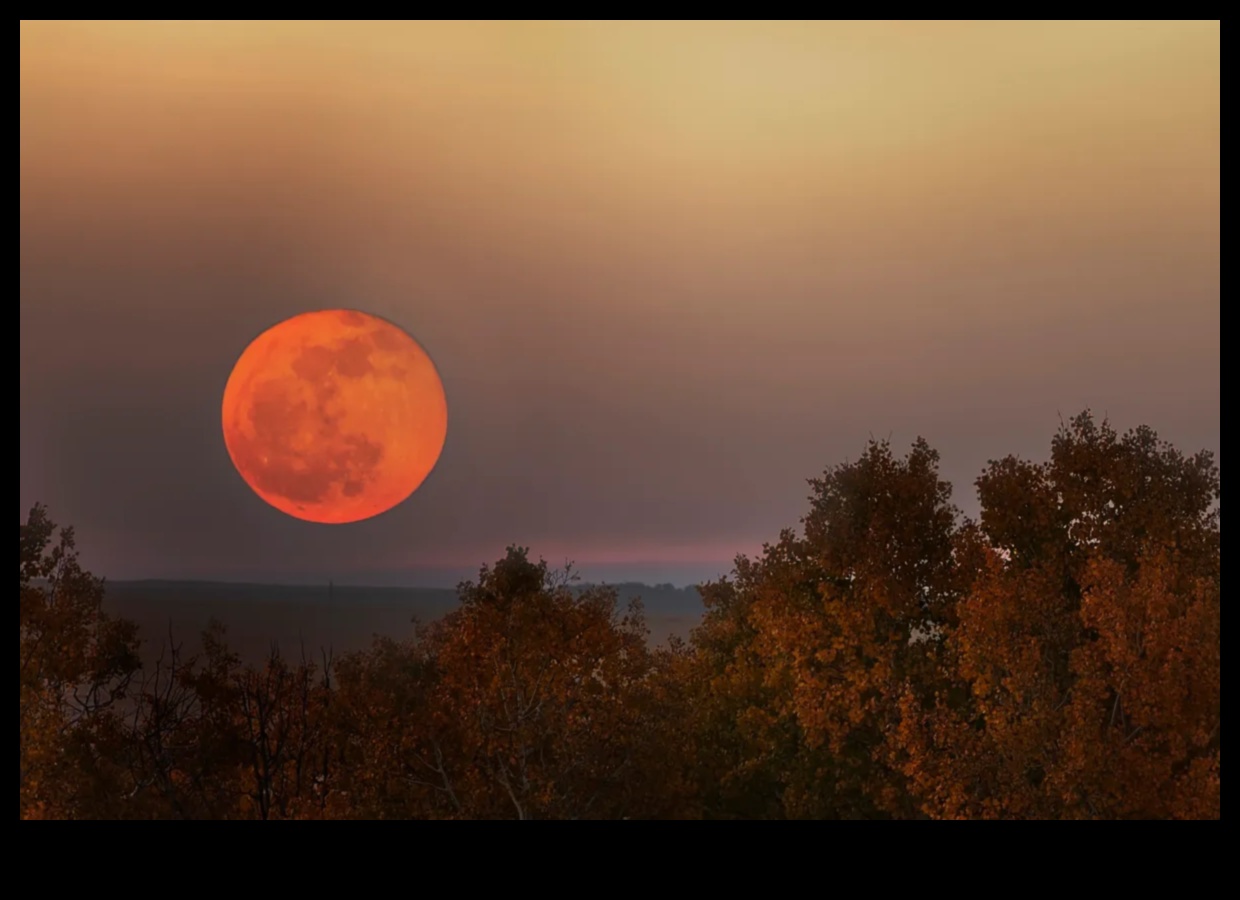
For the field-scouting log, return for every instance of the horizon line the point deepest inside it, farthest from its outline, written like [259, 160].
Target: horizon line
[356, 586]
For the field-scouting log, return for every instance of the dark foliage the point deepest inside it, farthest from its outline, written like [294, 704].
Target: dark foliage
[1059, 658]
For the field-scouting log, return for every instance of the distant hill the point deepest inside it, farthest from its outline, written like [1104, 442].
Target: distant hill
[342, 618]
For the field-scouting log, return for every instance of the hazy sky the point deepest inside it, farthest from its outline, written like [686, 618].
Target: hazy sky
[668, 271]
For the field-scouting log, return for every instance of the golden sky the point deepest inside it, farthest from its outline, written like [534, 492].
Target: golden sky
[732, 249]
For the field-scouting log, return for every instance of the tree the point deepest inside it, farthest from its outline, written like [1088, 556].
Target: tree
[809, 647]
[1086, 657]
[209, 738]
[1058, 658]
[748, 749]
[75, 665]
[531, 700]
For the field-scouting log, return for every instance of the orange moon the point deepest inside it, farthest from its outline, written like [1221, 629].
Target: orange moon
[334, 416]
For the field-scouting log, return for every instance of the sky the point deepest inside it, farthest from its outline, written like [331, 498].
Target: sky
[667, 271]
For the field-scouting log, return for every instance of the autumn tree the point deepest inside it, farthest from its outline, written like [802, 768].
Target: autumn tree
[75, 665]
[748, 750]
[393, 766]
[807, 648]
[278, 718]
[531, 700]
[1086, 657]
[207, 737]
[1058, 658]
[175, 764]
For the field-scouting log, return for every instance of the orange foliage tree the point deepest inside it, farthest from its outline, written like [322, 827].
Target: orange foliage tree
[208, 737]
[75, 665]
[1058, 658]
[806, 651]
[1086, 656]
[532, 700]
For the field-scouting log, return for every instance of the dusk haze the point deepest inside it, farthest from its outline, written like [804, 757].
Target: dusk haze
[891, 348]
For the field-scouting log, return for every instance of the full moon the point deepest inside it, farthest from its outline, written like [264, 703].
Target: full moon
[334, 416]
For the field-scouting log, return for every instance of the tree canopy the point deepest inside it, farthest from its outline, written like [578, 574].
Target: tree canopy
[1059, 657]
